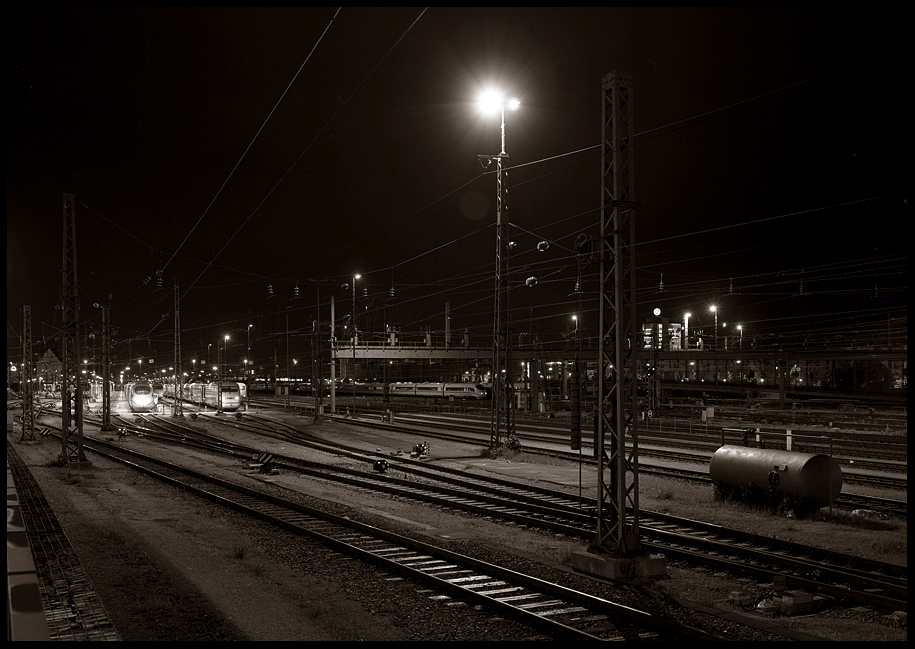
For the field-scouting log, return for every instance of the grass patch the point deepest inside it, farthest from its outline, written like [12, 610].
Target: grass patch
[664, 494]
[240, 550]
[842, 517]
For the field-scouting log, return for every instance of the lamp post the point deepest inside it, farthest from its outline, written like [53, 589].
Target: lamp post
[686, 329]
[317, 385]
[501, 332]
[355, 277]
[740, 331]
[714, 310]
[248, 353]
[225, 351]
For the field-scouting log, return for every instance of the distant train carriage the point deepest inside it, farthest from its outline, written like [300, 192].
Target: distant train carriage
[465, 390]
[140, 397]
[231, 395]
[456, 390]
[403, 389]
[234, 395]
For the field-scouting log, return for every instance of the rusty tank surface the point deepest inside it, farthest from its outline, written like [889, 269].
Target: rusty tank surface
[814, 476]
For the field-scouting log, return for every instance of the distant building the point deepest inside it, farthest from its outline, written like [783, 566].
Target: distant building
[48, 371]
[667, 337]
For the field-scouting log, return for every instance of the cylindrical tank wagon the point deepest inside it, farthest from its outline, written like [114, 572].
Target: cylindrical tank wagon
[815, 478]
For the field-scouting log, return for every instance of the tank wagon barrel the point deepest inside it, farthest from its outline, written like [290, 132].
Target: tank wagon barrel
[816, 477]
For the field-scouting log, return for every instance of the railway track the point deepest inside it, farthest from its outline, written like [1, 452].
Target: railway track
[864, 450]
[559, 611]
[444, 431]
[836, 574]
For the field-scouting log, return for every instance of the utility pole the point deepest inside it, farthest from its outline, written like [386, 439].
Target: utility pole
[71, 391]
[25, 377]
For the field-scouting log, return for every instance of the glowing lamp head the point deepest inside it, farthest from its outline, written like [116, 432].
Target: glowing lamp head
[491, 101]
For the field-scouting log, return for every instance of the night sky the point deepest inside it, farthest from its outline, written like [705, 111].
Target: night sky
[790, 121]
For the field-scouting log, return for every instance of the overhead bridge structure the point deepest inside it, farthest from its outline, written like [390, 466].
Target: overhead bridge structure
[562, 353]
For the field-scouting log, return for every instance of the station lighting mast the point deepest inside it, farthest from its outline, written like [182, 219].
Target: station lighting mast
[71, 394]
[503, 388]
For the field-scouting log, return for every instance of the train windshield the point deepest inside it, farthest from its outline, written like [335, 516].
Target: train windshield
[141, 389]
[230, 388]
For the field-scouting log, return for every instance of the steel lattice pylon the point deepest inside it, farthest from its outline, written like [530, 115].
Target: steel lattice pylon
[71, 394]
[106, 365]
[617, 533]
[25, 377]
[501, 421]
[178, 408]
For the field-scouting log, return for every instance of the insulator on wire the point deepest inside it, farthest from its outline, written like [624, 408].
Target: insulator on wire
[392, 292]
[295, 291]
[365, 291]
[269, 290]
[159, 281]
[577, 287]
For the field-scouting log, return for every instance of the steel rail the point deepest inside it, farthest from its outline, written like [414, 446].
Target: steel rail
[525, 597]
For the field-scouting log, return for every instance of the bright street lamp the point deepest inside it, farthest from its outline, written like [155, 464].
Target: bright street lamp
[355, 277]
[714, 310]
[225, 354]
[686, 328]
[489, 101]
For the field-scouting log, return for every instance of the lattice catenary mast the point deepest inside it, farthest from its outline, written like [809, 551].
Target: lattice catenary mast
[617, 533]
[71, 395]
[25, 377]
